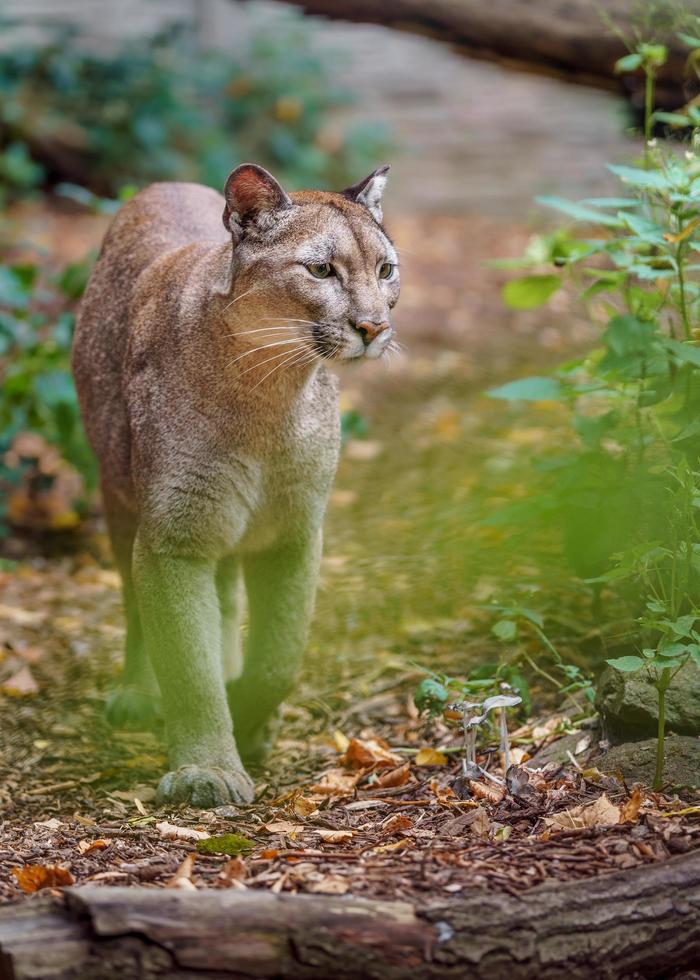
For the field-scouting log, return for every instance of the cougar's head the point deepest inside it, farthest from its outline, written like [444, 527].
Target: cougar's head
[313, 265]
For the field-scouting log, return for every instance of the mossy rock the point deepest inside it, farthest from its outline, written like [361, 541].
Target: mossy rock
[629, 703]
[637, 761]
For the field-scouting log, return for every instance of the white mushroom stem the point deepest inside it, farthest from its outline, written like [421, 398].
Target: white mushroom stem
[505, 744]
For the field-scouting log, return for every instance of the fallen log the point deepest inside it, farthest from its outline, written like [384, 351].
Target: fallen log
[569, 38]
[644, 922]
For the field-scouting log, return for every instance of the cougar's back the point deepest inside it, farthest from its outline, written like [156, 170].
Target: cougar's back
[158, 220]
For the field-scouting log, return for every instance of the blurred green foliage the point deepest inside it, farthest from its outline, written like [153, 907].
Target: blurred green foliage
[37, 317]
[625, 491]
[161, 109]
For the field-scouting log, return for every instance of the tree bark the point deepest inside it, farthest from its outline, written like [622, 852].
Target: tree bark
[640, 923]
[563, 37]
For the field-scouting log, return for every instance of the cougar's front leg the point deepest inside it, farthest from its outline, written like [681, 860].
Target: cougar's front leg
[281, 585]
[181, 624]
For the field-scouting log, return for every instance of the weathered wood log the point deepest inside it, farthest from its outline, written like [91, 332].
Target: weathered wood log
[639, 923]
[570, 38]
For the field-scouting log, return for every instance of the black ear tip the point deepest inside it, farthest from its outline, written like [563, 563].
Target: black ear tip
[384, 169]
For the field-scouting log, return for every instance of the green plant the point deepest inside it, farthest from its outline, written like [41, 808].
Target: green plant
[624, 493]
[666, 573]
[514, 627]
[38, 395]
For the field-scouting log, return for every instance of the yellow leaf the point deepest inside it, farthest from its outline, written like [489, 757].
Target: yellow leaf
[341, 741]
[688, 230]
[431, 757]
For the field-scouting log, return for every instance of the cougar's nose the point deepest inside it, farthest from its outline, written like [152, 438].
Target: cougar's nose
[368, 330]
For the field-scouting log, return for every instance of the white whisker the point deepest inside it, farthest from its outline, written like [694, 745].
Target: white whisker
[282, 353]
[242, 295]
[243, 333]
[295, 354]
[255, 350]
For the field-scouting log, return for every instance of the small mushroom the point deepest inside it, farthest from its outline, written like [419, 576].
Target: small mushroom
[502, 701]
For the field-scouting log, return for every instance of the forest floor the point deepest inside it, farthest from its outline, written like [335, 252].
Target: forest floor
[362, 794]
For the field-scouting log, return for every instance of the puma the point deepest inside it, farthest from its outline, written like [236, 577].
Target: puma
[200, 358]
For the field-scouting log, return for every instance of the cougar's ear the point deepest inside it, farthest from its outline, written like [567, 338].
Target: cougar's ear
[253, 197]
[369, 191]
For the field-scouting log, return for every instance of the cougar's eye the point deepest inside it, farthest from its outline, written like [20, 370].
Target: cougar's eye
[386, 270]
[321, 270]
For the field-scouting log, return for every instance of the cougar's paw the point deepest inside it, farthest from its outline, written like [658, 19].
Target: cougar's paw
[133, 709]
[205, 788]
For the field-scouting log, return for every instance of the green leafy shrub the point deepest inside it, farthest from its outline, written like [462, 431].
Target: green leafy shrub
[625, 492]
[159, 110]
[36, 328]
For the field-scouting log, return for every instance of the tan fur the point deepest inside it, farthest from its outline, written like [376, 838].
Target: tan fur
[199, 358]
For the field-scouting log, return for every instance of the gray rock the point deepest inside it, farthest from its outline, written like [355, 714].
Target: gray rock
[637, 761]
[628, 703]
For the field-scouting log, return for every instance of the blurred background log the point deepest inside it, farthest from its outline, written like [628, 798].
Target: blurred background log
[574, 39]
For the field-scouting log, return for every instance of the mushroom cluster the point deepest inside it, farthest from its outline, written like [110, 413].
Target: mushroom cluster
[471, 722]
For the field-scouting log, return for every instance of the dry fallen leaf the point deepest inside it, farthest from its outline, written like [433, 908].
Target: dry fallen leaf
[285, 827]
[234, 871]
[370, 752]
[53, 823]
[397, 824]
[335, 782]
[341, 741]
[600, 813]
[487, 791]
[88, 846]
[394, 846]
[329, 885]
[183, 876]
[21, 684]
[302, 806]
[393, 777]
[431, 757]
[169, 831]
[34, 877]
[479, 823]
[333, 836]
[630, 808]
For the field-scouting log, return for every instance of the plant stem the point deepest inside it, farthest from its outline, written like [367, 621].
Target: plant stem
[648, 113]
[662, 687]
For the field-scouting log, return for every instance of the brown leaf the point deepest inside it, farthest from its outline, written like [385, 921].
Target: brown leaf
[329, 885]
[34, 877]
[393, 777]
[363, 752]
[394, 846]
[480, 823]
[600, 813]
[334, 836]
[87, 846]
[302, 806]
[169, 831]
[232, 871]
[183, 876]
[397, 824]
[487, 791]
[335, 782]
[269, 854]
[284, 827]
[630, 808]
